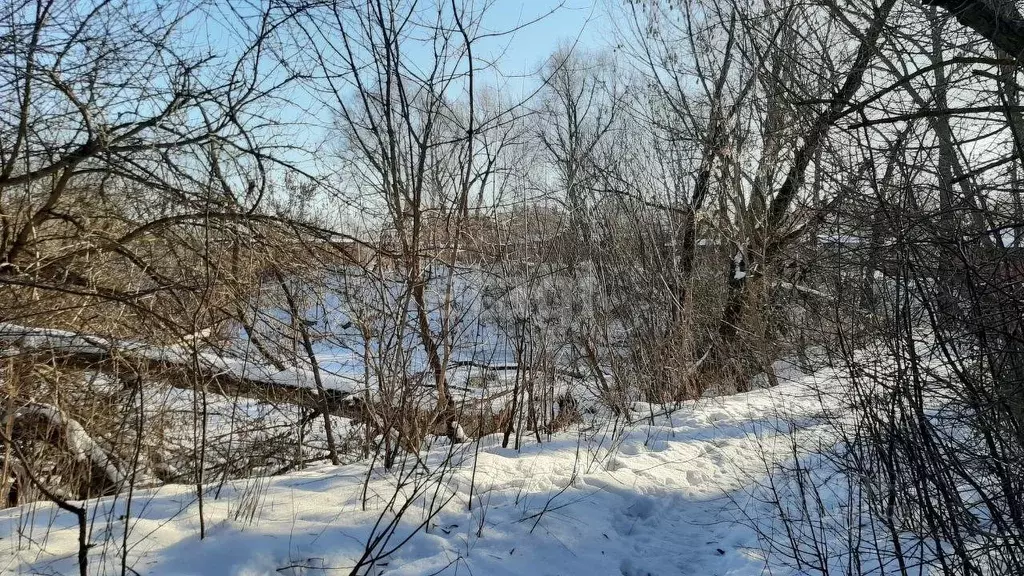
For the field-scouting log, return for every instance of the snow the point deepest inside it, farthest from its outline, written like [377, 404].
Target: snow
[802, 289]
[739, 273]
[674, 493]
[82, 446]
[48, 339]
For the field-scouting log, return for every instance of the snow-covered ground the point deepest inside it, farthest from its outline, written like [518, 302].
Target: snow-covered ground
[672, 494]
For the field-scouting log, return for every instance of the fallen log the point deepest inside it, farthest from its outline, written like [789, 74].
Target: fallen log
[180, 367]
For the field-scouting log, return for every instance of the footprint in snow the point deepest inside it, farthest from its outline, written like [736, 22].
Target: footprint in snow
[630, 568]
[695, 477]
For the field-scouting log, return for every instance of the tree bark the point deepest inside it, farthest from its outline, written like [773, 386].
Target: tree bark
[998, 21]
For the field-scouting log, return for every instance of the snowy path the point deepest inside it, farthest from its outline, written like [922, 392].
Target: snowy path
[667, 498]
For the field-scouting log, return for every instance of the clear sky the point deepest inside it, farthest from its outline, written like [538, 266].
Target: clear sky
[535, 28]
[565, 21]
[526, 32]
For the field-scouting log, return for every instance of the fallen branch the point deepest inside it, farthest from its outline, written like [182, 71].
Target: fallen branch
[175, 365]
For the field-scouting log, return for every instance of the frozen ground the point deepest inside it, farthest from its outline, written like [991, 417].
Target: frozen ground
[671, 495]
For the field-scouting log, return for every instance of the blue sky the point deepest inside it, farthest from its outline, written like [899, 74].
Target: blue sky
[570, 22]
[540, 27]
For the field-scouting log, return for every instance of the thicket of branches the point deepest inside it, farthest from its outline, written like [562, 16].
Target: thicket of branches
[190, 236]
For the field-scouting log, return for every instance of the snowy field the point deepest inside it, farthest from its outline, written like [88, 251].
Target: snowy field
[670, 494]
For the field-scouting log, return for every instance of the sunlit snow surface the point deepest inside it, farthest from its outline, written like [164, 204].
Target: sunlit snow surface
[673, 494]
